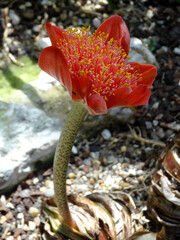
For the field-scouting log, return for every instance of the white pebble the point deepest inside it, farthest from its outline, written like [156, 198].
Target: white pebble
[2, 201]
[123, 149]
[96, 22]
[49, 193]
[20, 216]
[33, 211]
[155, 105]
[155, 123]
[74, 150]
[106, 134]
[10, 205]
[32, 225]
[177, 50]
[35, 181]
[49, 184]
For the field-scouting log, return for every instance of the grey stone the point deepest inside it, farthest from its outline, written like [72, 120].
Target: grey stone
[161, 133]
[74, 150]
[87, 162]
[149, 125]
[106, 134]
[37, 28]
[155, 123]
[44, 42]
[14, 17]
[162, 50]
[177, 50]
[155, 105]
[25, 193]
[140, 53]
[96, 22]
[28, 138]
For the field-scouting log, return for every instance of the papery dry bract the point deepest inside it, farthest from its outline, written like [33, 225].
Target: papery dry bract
[94, 68]
[164, 194]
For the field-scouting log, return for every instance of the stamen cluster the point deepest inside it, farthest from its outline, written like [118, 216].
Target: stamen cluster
[100, 59]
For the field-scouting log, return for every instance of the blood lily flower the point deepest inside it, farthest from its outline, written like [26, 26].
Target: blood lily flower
[94, 68]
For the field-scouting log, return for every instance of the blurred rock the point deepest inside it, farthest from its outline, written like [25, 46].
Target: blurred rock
[96, 22]
[106, 134]
[27, 141]
[44, 42]
[140, 53]
[177, 50]
[14, 17]
[162, 50]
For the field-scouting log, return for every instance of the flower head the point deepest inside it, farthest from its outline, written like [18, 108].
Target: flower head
[94, 68]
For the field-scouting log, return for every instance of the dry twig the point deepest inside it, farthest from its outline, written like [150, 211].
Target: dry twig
[138, 137]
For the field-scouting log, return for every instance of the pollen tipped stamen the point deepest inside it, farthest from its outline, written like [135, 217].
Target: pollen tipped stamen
[104, 63]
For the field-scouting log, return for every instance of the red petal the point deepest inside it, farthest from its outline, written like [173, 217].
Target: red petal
[117, 29]
[119, 97]
[139, 96]
[149, 72]
[97, 105]
[55, 33]
[53, 62]
[81, 86]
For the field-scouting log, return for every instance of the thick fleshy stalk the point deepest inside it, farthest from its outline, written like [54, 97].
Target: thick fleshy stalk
[61, 159]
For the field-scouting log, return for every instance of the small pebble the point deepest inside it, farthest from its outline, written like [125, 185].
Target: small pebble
[49, 184]
[155, 123]
[2, 201]
[86, 168]
[25, 193]
[25, 227]
[3, 219]
[96, 163]
[33, 236]
[14, 17]
[148, 125]
[161, 133]
[87, 162]
[42, 189]
[33, 211]
[36, 28]
[177, 50]
[20, 216]
[123, 149]
[10, 205]
[155, 105]
[72, 175]
[96, 22]
[35, 181]
[31, 225]
[162, 50]
[49, 193]
[106, 134]
[10, 238]
[92, 181]
[74, 150]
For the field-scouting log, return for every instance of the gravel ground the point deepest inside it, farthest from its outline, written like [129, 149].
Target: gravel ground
[120, 157]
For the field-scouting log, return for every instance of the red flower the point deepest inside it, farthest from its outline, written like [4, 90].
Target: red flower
[93, 67]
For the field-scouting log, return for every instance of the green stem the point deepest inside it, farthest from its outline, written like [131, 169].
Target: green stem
[61, 159]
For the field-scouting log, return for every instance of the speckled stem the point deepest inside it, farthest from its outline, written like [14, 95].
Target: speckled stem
[61, 159]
